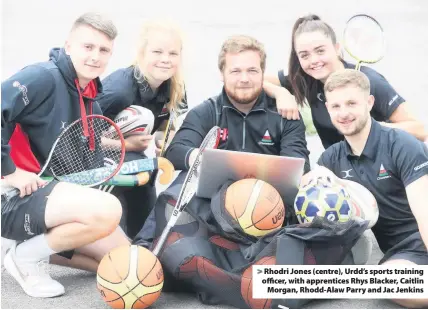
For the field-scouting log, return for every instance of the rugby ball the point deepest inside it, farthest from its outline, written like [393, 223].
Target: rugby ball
[364, 204]
[135, 120]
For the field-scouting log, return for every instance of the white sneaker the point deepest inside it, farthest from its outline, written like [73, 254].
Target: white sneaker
[33, 277]
[5, 246]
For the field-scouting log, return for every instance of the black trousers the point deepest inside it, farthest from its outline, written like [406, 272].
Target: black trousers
[137, 202]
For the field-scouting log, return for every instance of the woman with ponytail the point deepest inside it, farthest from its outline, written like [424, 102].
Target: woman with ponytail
[315, 54]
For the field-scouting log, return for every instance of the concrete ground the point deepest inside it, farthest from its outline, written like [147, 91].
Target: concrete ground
[31, 27]
[81, 291]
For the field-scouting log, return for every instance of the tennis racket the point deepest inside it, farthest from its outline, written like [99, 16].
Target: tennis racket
[88, 143]
[364, 39]
[189, 187]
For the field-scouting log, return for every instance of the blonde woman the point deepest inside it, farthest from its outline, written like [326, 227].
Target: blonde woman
[154, 82]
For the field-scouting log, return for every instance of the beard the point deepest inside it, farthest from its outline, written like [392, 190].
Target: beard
[357, 127]
[237, 96]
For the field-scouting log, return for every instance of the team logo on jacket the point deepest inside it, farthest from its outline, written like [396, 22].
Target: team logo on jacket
[267, 139]
[383, 174]
[164, 111]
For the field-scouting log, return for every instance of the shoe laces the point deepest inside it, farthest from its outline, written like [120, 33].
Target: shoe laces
[40, 269]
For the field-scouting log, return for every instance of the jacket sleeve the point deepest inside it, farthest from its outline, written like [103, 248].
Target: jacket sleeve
[21, 94]
[114, 97]
[293, 141]
[192, 132]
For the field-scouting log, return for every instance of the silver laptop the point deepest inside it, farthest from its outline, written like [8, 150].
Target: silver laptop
[219, 166]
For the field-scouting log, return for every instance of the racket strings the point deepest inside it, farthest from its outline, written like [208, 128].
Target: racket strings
[210, 142]
[76, 153]
[364, 39]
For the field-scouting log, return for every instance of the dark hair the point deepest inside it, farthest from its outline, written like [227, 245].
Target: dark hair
[301, 82]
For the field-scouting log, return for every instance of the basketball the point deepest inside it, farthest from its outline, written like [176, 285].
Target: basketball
[247, 285]
[255, 206]
[135, 120]
[203, 269]
[130, 277]
[171, 239]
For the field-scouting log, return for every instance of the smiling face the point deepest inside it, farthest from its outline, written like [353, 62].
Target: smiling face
[349, 108]
[90, 51]
[160, 56]
[317, 54]
[243, 76]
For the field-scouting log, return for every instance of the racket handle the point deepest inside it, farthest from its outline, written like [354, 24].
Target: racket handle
[9, 194]
[162, 239]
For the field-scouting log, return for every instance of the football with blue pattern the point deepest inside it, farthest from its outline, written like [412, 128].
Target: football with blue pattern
[323, 199]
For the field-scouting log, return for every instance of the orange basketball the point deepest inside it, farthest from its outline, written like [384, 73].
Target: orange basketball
[171, 239]
[224, 243]
[212, 274]
[130, 277]
[256, 206]
[247, 287]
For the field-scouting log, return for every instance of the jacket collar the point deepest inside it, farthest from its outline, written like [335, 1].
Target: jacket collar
[372, 143]
[65, 66]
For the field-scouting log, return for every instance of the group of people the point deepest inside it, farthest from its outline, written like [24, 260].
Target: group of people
[356, 114]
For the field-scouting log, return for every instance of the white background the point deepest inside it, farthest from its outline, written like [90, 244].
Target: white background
[30, 28]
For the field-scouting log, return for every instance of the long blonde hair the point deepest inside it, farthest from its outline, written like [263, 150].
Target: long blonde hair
[177, 80]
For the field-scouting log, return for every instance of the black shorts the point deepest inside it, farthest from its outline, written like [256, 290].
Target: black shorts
[412, 249]
[24, 218]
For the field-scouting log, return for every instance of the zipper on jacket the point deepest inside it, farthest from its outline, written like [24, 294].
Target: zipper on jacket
[244, 129]
[244, 124]
[243, 133]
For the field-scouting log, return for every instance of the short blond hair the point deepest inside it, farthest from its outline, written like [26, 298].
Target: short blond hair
[241, 43]
[345, 77]
[97, 21]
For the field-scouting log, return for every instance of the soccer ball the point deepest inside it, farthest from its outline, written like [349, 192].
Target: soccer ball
[322, 199]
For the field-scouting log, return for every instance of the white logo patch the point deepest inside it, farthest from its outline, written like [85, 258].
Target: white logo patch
[421, 166]
[392, 100]
[347, 174]
[23, 90]
[321, 97]
[27, 226]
